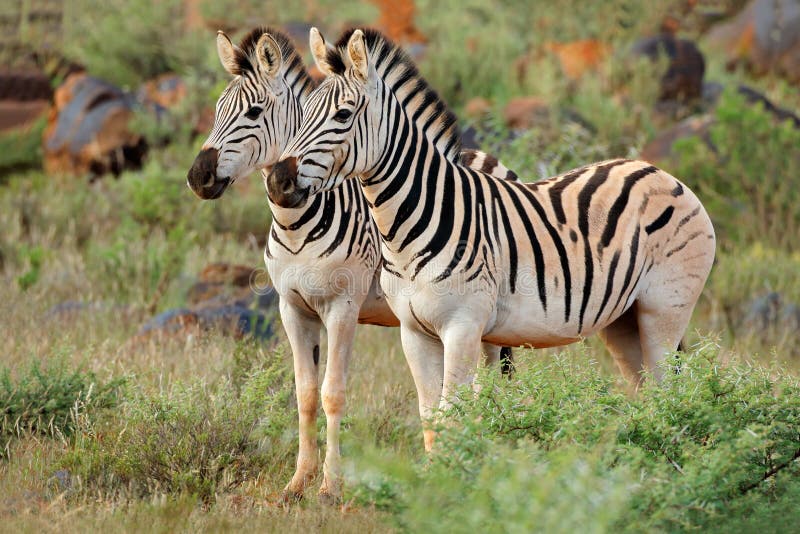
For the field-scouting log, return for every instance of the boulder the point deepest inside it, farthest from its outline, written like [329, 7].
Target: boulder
[232, 282]
[298, 32]
[87, 131]
[396, 20]
[578, 57]
[236, 321]
[660, 147]
[477, 108]
[522, 113]
[763, 37]
[769, 312]
[165, 91]
[231, 299]
[24, 85]
[15, 114]
[683, 79]
[24, 97]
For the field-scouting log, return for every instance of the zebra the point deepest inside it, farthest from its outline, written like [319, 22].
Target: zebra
[619, 248]
[323, 257]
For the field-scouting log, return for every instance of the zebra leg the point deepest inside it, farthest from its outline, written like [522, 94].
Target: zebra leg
[622, 340]
[303, 333]
[424, 355]
[503, 355]
[462, 352]
[341, 330]
[661, 330]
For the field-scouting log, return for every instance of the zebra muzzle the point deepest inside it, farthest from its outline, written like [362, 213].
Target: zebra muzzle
[202, 177]
[282, 185]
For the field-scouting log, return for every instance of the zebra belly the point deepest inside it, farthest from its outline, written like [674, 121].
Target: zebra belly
[376, 310]
[521, 321]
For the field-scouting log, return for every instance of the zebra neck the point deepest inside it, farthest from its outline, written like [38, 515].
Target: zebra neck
[408, 187]
[288, 223]
[295, 228]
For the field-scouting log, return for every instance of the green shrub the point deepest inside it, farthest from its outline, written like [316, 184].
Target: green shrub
[49, 400]
[194, 439]
[33, 256]
[737, 299]
[127, 43]
[21, 148]
[558, 449]
[749, 181]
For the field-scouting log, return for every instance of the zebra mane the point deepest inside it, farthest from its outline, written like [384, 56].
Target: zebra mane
[245, 55]
[399, 71]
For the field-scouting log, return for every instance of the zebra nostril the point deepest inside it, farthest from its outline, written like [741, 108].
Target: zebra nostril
[282, 184]
[203, 173]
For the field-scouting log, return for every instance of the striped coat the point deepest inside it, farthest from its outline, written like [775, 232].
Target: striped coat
[619, 248]
[323, 256]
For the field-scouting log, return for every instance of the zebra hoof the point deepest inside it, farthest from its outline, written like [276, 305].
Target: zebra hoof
[289, 497]
[329, 499]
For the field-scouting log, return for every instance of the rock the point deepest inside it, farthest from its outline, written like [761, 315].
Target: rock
[15, 114]
[24, 86]
[469, 138]
[24, 97]
[298, 32]
[165, 91]
[61, 481]
[577, 57]
[771, 311]
[477, 108]
[226, 298]
[683, 79]
[522, 113]
[232, 282]
[763, 37]
[396, 20]
[87, 130]
[660, 147]
[713, 90]
[234, 320]
[780, 114]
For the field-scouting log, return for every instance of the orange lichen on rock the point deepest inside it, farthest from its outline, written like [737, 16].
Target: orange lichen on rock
[577, 57]
[87, 129]
[522, 113]
[397, 21]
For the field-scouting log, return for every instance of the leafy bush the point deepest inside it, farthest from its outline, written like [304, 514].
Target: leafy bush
[34, 256]
[738, 295]
[193, 439]
[127, 43]
[746, 180]
[48, 400]
[21, 148]
[558, 449]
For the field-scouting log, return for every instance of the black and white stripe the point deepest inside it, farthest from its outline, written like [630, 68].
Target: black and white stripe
[619, 247]
[322, 253]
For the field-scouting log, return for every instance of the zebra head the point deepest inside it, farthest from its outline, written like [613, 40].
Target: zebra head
[336, 140]
[255, 115]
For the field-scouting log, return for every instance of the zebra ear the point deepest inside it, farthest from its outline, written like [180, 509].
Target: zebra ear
[269, 54]
[227, 53]
[319, 49]
[357, 51]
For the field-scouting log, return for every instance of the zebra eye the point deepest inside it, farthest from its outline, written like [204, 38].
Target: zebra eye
[342, 115]
[253, 113]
